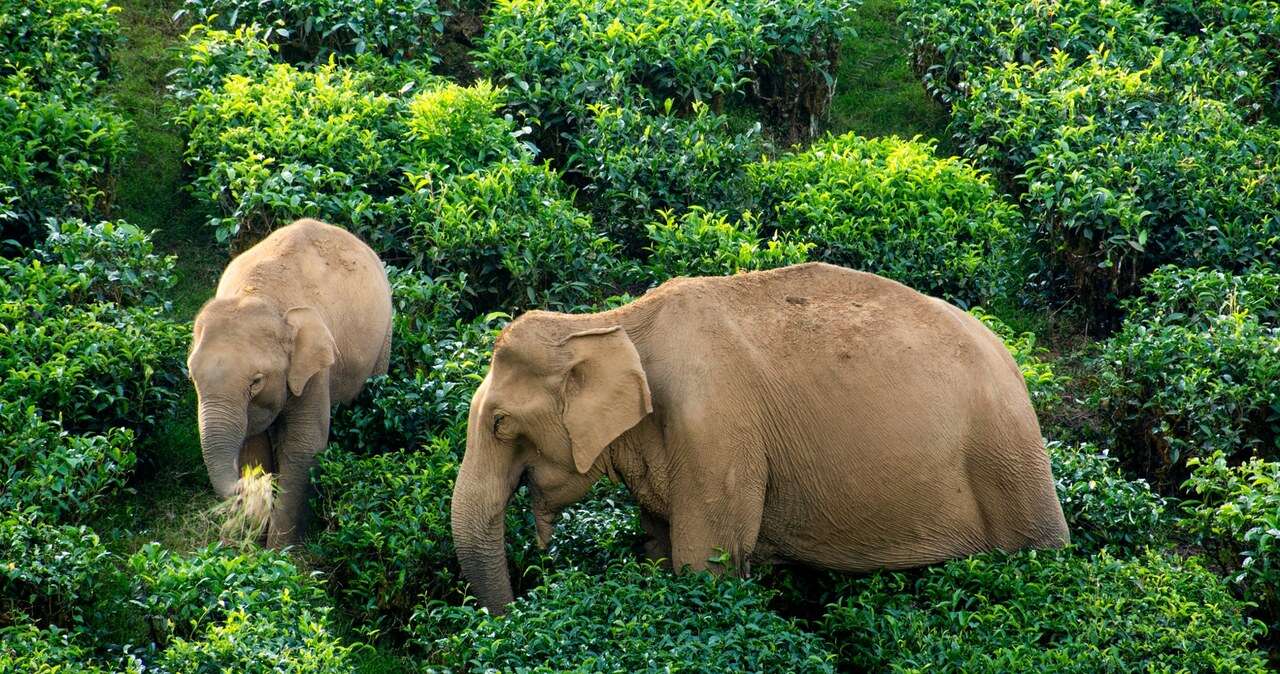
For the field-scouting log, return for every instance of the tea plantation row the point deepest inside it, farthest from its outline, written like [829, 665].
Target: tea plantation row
[589, 150]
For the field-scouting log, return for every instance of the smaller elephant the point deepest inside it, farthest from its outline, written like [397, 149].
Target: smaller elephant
[811, 414]
[299, 321]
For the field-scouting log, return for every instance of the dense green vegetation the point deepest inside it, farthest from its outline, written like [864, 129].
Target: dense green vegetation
[1113, 216]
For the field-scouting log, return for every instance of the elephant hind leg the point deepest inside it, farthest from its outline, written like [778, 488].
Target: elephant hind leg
[1015, 493]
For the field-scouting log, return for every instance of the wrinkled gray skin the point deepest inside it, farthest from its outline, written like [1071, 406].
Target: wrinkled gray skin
[811, 414]
[298, 322]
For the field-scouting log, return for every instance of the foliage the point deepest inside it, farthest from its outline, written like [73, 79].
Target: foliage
[513, 230]
[55, 574]
[953, 42]
[65, 477]
[892, 207]
[1045, 611]
[634, 618]
[1102, 507]
[290, 143]
[208, 56]
[559, 57]
[639, 160]
[1044, 386]
[61, 44]
[388, 539]
[108, 261]
[706, 243]
[57, 155]
[1234, 512]
[257, 643]
[92, 367]
[455, 128]
[398, 28]
[26, 647]
[1195, 369]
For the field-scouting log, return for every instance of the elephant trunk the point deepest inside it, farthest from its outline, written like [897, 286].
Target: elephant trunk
[478, 512]
[222, 433]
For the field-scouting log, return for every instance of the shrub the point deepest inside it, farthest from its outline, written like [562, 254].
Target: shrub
[705, 243]
[1102, 507]
[25, 647]
[50, 573]
[1193, 371]
[57, 156]
[455, 128]
[1192, 187]
[1181, 296]
[892, 207]
[398, 28]
[109, 261]
[1045, 611]
[636, 617]
[559, 57]
[65, 477]
[513, 230]
[292, 143]
[388, 539]
[953, 42]
[428, 393]
[207, 56]
[1234, 512]
[256, 643]
[638, 160]
[60, 43]
[93, 367]
[183, 597]
[1044, 386]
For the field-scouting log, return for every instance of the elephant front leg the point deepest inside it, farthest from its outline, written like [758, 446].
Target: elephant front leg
[257, 452]
[306, 431]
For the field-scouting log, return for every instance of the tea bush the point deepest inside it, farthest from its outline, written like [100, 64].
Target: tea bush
[57, 155]
[513, 230]
[406, 29]
[53, 574]
[558, 57]
[1194, 370]
[25, 647]
[954, 42]
[1234, 512]
[108, 261]
[455, 128]
[705, 243]
[65, 477]
[290, 143]
[639, 160]
[1121, 170]
[1103, 508]
[61, 44]
[636, 617]
[1045, 611]
[207, 56]
[893, 207]
[219, 610]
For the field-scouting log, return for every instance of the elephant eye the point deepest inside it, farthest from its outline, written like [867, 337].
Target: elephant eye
[256, 385]
[497, 421]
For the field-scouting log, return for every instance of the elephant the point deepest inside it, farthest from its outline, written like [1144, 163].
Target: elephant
[810, 415]
[298, 322]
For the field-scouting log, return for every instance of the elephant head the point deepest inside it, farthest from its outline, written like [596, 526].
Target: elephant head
[556, 395]
[247, 356]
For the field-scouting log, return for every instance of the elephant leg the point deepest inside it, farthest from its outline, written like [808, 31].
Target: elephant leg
[257, 452]
[657, 544]
[716, 537]
[305, 433]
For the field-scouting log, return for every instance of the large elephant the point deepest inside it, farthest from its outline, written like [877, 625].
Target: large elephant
[810, 414]
[299, 321]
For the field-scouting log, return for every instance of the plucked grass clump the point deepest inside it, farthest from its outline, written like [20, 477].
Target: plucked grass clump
[245, 516]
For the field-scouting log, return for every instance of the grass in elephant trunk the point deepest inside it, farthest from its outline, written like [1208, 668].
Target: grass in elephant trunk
[244, 517]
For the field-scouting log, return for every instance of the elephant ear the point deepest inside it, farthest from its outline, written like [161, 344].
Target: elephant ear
[313, 347]
[605, 392]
